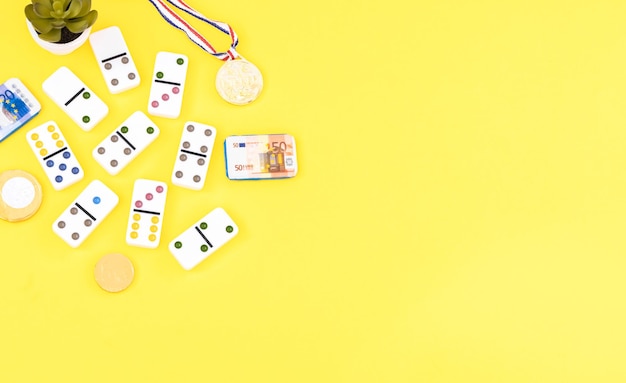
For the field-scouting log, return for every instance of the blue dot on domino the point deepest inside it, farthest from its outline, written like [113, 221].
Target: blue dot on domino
[66, 155]
[62, 167]
[50, 163]
[75, 170]
[58, 179]
[96, 200]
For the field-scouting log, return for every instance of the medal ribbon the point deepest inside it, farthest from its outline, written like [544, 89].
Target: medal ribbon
[177, 22]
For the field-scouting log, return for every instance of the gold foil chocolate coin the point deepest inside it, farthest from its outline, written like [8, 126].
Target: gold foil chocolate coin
[20, 195]
[239, 82]
[114, 272]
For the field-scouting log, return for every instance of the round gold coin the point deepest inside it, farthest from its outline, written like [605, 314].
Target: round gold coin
[20, 195]
[239, 82]
[114, 272]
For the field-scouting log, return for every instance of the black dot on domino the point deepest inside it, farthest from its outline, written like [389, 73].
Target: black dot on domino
[75, 236]
[127, 151]
[179, 174]
[183, 157]
[208, 132]
[200, 161]
[190, 128]
[113, 163]
[114, 82]
[108, 66]
[101, 150]
[197, 178]
[73, 211]
[61, 224]
[88, 222]
[186, 145]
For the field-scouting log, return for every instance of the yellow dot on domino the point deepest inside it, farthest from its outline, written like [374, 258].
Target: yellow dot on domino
[51, 128]
[20, 195]
[114, 272]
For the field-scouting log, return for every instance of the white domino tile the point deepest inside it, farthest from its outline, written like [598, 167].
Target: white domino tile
[194, 154]
[146, 213]
[203, 238]
[79, 102]
[86, 213]
[55, 155]
[125, 143]
[114, 59]
[168, 85]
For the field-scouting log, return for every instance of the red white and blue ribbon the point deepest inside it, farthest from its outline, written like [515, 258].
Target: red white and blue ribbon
[177, 22]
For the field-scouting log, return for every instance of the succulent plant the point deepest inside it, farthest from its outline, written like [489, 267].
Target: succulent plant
[50, 17]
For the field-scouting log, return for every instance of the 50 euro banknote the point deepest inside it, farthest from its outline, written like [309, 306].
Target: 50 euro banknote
[17, 106]
[261, 156]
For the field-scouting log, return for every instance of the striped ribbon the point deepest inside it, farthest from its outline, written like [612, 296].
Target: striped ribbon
[177, 22]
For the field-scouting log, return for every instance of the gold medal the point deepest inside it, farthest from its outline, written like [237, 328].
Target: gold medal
[239, 82]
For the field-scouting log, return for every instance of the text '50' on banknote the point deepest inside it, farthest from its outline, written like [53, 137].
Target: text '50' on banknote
[260, 156]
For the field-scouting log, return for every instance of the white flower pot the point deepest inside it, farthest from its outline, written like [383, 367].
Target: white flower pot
[59, 49]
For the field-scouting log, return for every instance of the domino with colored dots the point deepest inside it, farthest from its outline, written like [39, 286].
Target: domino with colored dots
[74, 97]
[55, 155]
[83, 215]
[125, 143]
[168, 85]
[114, 59]
[203, 238]
[194, 154]
[146, 213]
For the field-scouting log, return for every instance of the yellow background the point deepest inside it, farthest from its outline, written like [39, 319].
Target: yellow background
[458, 216]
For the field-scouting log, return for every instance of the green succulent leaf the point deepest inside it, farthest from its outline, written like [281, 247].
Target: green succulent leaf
[53, 36]
[43, 8]
[40, 25]
[58, 23]
[57, 8]
[76, 6]
[85, 8]
[80, 24]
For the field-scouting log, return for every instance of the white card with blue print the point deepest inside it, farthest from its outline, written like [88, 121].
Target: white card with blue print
[146, 213]
[114, 59]
[125, 143]
[194, 155]
[168, 85]
[203, 238]
[17, 107]
[85, 213]
[55, 155]
[79, 102]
